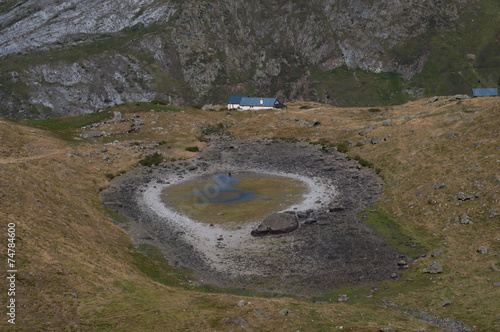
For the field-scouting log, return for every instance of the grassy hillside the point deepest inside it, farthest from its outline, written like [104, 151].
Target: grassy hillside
[79, 271]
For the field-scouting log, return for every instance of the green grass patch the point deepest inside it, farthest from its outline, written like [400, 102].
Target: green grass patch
[412, 245]
[192, 149]
[65, 128]
[153, 160]
[151, 261]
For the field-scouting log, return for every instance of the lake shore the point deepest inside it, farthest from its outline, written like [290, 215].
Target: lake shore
[330, 249]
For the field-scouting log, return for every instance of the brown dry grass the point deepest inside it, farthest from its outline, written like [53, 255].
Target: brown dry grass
[68, 246]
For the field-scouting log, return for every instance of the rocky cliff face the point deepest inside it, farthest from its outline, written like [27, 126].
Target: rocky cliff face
[81, 55]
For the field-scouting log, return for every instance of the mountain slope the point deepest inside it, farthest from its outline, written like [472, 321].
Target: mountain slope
[81, 56]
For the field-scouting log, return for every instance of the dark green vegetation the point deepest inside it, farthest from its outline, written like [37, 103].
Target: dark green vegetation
[153, 160]
[65, 127]
[192, 149]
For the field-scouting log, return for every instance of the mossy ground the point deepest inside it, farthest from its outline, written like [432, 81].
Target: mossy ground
[79, 271]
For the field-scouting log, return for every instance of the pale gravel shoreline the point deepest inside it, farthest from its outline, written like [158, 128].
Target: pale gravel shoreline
[204, 237]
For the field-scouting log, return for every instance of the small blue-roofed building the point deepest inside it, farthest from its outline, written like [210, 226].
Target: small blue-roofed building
[234, 101]
[253, 103]
[489, 92]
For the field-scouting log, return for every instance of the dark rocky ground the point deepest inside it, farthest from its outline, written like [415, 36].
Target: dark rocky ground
[330, 249]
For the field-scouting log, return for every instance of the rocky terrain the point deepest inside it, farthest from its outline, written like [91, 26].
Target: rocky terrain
[323, 253]
[80, 56]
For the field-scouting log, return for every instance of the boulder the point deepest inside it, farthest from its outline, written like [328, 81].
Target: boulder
[277, 223]
[93, 134]
[315, 122]
[438, 252]
[343, 298]
[434, 268]
[459, 97]
[208, 107]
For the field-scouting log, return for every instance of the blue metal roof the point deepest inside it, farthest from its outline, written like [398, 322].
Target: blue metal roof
[485, 92]
[235, 99]
[256, 101]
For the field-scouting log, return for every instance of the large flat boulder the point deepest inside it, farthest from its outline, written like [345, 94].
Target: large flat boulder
[277, 223]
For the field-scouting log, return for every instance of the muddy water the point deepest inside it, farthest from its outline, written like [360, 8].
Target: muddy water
[232, 199]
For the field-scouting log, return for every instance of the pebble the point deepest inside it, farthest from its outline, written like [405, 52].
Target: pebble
[482, 250]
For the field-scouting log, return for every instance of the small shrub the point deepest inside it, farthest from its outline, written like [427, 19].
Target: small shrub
[212, 129]
[198, 107]
[159, 102]
[305, 107]
[342, 147]
[374, 110]
[192, 149]
[154, 159]
[109, 176]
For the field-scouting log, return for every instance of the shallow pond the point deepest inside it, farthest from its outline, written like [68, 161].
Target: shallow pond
[231, 199]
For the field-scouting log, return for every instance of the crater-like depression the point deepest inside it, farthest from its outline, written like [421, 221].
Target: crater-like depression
[265, 214]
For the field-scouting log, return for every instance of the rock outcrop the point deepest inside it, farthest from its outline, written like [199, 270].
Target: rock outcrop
[82, 55]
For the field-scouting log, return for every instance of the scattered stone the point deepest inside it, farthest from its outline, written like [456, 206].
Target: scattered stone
[241, 303]
[482, 250]
[433, 100]
[495, 267]
[387, 123]
[438, 252]
[496, 284]
[386, 329]
[365, 131]
[450, 135]
[277, 223]
[446, 304]
[301, 215]
[93, 134]
[104, 150]
[494, 213]
[315, 122]
[208, 107]
[465, 219]
[72, 294]
[459, 97]
[343, 298]
[310, 221]
[284, 312]
[464, 196]
[336, 208]
[440, 186]
[434, 268]
[377, 140]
